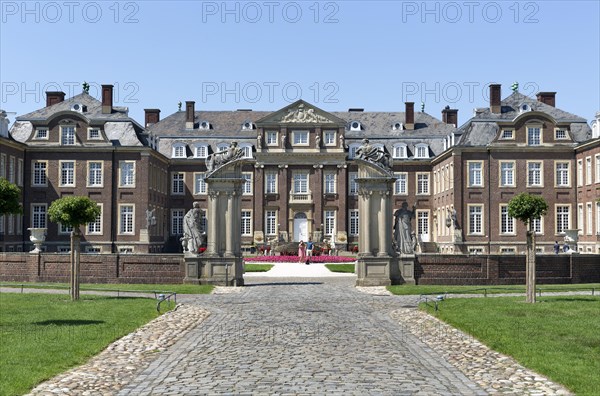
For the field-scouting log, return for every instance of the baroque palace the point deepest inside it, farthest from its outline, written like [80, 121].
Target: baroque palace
[300, 176]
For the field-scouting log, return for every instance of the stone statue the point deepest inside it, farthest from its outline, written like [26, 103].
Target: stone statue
[222, 157]
[403, 236]
[283, 140]
[318, 140]
[193, 237]
[454, 218]
[259, 141]
[343, 142]
[372, 154]
[150, 219]
[302, 115]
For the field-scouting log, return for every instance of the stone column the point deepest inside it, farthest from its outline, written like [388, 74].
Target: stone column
[364, 220]
[384, 224]
[213, 208]
[229, 223]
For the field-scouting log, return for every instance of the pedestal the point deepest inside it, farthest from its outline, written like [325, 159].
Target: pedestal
[219, 271]
[406, 266]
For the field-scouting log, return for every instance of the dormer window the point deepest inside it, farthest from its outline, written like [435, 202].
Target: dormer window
[204, 125]
[201, 150]
[399, 151]
[41, 133]
[534, 136]
[507, 134]
[67, 134]
[247, 126]
[94, 134]
[560, 134]
[222, 147]
[247, 148]
[355, 126]
[421, 151]
[398, 126]
[179, 150]
[524, 108]
[352, 150]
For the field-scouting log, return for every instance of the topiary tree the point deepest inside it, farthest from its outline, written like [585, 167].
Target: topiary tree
[526, 208]
[73, 212]
[10, 198]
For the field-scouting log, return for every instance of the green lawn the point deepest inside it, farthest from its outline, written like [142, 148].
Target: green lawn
[42, 335]
[346, 268]
[558, 336]
[443, 289]
[257, 267]
[177, 288]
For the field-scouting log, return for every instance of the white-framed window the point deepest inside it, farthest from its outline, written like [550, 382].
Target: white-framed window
[38, 215]
[20, 172]
[126, 173]
[201, 150]
[94, 134]
[329, 137]
[199, 183]
[300, 183]
[300, 138]
[597, 218]
[401, 183]
[95, 227]
[177, 221]
[507, 173]
[222, 146]
[329, 216]
[476, 250]
[475, 173]
[475, 219]
[126, 249]
[126, 219]
[270, 222]
[560, 134]
[507, 223]
[563, 218]
[67, 135]
[67, 173]
[421, 150]
[177, 183]
[95, 169]
[39, 175]
[352, 150]
[562, 174]
[271, 138]
[64, 229]
[535, 174]
[92, 249]
[353, 185]
[202, 220]
[247, 187]
[41, 134]
[246, 222]
[588, 170]
[507, 134]
[507, 250]
[589, 219]
[534, 136]
[399, 151]
[580, 219]
[423, 222]
[329, 181]
[247, 149]
[537, 226]
[179, 150]
[597, 160]
[580, 172]
[271, 182]
[422, 183]
[353, 219]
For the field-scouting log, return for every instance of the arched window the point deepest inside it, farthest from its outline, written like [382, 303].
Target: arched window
[399, 150]
[352, 150]
[201, 150]
[247, 147]
[179, 150]
[421, 150]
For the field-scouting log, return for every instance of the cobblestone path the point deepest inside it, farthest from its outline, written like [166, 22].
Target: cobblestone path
[300, 336]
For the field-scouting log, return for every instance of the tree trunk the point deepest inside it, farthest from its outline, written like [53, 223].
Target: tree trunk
[530, 266]
[75, 257]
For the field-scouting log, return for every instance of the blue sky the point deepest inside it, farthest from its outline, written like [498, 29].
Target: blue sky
[335, 54]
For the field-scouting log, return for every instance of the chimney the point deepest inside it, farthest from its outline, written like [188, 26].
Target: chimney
[152, 116]
[548, 98]
[409, 115]
[54, 97]
[107, 99]
[495, 98]
[450, 116]
[190, 114]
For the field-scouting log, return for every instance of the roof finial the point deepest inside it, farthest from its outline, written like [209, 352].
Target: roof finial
[515, 86]
[86, 87]
[179, 106]
[422, 107]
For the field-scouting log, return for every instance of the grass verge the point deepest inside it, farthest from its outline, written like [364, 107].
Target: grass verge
[177, 288]
[443, 289]
[42, 335]
[257, 267]
[345, 268]
[558, 336]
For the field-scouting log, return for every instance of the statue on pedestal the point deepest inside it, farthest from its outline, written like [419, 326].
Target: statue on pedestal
[373, 154]
[193, 238]
[403, 236]
[222, 157]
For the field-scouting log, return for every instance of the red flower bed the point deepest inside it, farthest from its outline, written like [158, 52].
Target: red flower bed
[201, 250]
[294, 259]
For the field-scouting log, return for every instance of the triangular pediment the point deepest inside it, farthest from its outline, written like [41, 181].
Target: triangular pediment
[301, 113]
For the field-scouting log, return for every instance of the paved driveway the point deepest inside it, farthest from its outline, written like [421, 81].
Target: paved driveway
[300, 336]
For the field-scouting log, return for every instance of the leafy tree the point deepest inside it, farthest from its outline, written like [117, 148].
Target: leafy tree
[73, 212]
[10, 198]
[526, 208]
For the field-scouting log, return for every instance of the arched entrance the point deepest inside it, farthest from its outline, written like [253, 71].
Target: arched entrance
[300, 227]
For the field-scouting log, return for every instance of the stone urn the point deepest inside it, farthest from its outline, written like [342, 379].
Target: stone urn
[38, 236]
[571, 239]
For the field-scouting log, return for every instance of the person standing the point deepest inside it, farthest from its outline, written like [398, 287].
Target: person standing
[301, 252]
[556, 247]
[309, 250]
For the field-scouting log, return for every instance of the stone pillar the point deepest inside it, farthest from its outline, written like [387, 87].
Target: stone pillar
[213, 204]
[364, 220]
[385, 215]
[229, 224]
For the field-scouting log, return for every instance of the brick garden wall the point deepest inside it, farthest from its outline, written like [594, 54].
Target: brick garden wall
[431, 269]
[95, 268]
